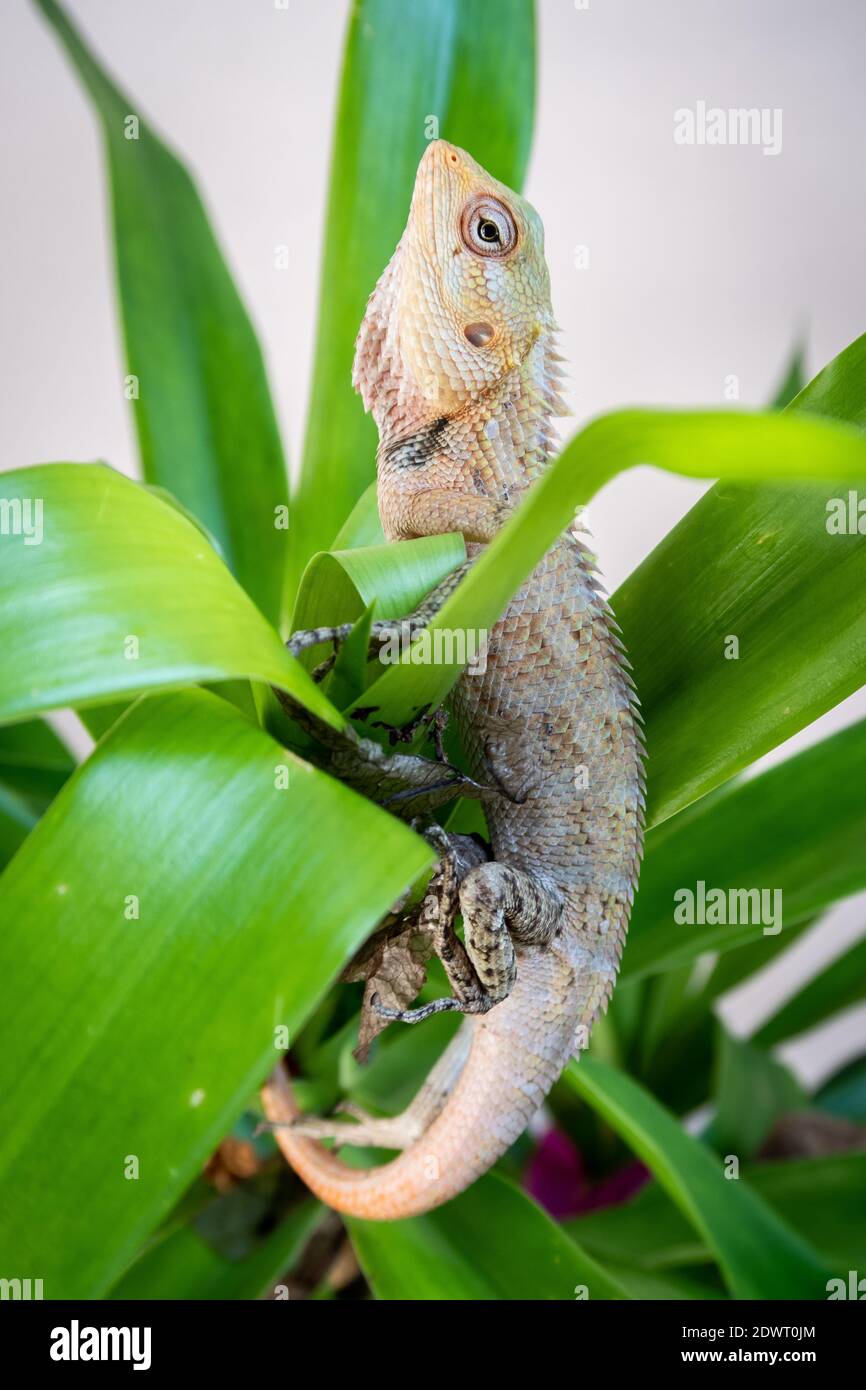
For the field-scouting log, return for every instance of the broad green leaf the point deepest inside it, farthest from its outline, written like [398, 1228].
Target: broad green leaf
[751, 1093]
[349, 676]
[702, 445]
[445, 68]
[841, 984]
[34, 764]
[123, 594]
[17, 819]
[184, 1266]
[173, 906]
[823, 1199]
[754, 562]
[650, 1232]
[34, 761]
[338, 585]
[492, 1242]
[362, 526]
[758, 1254]
[795, 833]
[651, 1285]
[203, 413]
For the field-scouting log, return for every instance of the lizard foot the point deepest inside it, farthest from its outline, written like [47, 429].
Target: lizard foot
[477, 1004]
[366, 1131]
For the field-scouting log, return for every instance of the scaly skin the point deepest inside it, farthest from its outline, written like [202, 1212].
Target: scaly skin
[455, 359]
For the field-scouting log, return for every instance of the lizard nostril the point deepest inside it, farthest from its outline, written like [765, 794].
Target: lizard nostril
[479, 334]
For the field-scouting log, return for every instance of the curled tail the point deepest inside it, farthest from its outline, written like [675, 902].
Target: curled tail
[495, 1074]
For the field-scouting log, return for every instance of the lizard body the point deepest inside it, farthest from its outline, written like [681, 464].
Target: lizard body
[456, 361]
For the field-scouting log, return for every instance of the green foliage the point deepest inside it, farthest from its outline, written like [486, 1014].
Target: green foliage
[192, 887]
[491, 1242]
[153, 942]
[203, 412]
[758, 1254]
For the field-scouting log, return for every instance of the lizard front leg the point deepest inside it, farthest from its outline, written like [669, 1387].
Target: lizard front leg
[414, 510]
[407, 783]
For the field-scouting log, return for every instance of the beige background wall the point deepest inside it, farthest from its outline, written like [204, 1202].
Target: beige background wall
[703, 262]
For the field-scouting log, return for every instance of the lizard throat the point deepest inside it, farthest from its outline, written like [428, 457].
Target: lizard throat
[495, 444]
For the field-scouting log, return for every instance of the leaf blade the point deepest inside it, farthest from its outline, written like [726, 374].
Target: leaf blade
[204, 417]
[760, 1257]
[122, 595]
[92, 1056]
[491, 1242]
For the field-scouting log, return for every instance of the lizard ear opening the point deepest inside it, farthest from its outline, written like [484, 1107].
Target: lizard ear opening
[479, 334]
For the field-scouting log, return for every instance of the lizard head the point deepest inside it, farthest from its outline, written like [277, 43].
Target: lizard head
[463, 301]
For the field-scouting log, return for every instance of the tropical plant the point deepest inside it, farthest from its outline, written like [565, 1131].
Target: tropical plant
[185, 898]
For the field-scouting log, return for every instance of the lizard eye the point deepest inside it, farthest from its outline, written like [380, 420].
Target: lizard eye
[487, 227]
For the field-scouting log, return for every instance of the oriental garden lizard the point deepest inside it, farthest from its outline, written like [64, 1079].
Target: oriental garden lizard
[456, 361]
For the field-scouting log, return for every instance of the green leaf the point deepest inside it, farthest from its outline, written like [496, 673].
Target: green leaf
[362, 526]
[338, 585]
[701, 444]
[840, 985]
[34, 764]
[184, 1266]
[348, 678]
[755, 562]
[127, 1036]
[752, 1092]
[759, 1256]
[116, 563]
[649, 1232]
[653, 1286]
[34, 761]
[795, 833]
[491, 1242]
[474, 74]
[204, 417]
[823, 1199]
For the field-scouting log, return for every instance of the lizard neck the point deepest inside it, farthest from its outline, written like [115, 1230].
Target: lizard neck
[495, 443]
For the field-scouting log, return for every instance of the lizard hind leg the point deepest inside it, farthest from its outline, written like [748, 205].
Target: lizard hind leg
[397, 1131]
[500, 905]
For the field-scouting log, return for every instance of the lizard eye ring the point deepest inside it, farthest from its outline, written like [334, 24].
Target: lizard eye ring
[487, 228]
